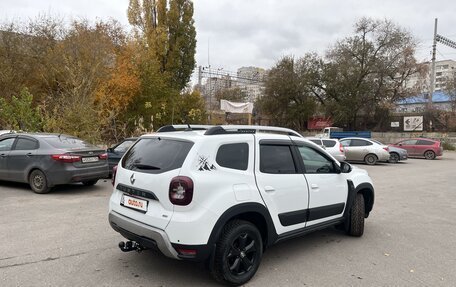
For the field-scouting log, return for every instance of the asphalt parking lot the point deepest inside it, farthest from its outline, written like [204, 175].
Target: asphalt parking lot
[63, 239]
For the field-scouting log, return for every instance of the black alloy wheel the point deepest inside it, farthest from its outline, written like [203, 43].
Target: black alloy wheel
[238, 253]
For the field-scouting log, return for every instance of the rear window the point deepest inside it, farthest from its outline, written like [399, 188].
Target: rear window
[63, 142]
[235, 156]
[329, 143]
[156, 155]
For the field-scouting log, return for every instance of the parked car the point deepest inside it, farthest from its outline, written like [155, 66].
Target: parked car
[45, 160]
[2, 132]
[116, 152]
[396, 154]
[333, 146]
[366, 150]
[225, 194]
[421, 147]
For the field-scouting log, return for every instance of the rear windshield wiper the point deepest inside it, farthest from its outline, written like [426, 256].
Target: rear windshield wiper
[145, 166]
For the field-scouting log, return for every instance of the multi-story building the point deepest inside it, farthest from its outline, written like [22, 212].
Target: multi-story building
[444, 71]
[250, 80]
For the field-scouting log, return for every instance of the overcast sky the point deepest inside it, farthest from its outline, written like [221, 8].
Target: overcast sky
[258, 32]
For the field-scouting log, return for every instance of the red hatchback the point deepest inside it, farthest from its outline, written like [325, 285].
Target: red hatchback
[421, 147]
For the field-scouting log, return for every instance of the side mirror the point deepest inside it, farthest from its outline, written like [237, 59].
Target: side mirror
[345, 167]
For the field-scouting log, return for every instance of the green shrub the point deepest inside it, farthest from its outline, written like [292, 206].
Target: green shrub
[448, 145]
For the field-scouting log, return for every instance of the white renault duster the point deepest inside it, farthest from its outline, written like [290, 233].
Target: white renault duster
[223, 194]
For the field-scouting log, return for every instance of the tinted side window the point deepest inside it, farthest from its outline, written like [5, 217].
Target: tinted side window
[6, 144]
[156, 155]
[26, 144]
[329, 143]
[408, 142]
[318, 142]
[356, 142]
[276, 159]
[424, 142]
[123, 146]
[315, 162]
[235, 156]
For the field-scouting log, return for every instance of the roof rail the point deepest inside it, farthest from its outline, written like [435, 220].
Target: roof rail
[175, 128]
[242, 129]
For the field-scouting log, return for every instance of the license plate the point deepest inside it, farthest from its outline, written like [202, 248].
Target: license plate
[135, 203]
[90, 159]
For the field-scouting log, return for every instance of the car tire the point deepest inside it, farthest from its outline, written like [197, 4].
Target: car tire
[237, 254]
[370, 159]
[394, 157]
[90, 182]
[429, 154]
[38, 182]
[356, 218]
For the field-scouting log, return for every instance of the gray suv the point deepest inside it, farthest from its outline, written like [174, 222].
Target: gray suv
[45, 160]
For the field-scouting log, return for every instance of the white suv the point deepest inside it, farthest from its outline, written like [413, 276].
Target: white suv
[224, 194]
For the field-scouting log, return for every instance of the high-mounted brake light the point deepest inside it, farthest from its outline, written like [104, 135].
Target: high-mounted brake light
[66, 158]
[181, 190]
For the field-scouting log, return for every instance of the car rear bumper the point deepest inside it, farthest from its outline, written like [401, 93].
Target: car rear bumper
[74, 174]
[145, 235]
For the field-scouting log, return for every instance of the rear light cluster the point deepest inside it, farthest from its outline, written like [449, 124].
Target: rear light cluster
[114, 172]
[341, 148]
[386, 148]
[66, 157]
[103, 156]
[181, 190]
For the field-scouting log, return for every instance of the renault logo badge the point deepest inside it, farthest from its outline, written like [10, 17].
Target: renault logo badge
[132, 178]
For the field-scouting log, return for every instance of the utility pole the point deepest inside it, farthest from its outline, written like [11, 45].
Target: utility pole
[432, 80]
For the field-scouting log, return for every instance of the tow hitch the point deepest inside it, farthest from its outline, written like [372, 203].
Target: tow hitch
[130, 246]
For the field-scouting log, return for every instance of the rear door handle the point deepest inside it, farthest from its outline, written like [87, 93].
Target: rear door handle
[269, 188]
[29, 154]
[3, 155]
[314, 186]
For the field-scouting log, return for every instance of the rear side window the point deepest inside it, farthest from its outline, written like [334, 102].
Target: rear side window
[26, 144]
[276, 159]
[64, 142]
[235, 156]
[318, 142]
[156, 155]
[424, 142]
[328, 143]
[356, 142]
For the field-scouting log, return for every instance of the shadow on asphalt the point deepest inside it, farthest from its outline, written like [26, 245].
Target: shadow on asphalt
[73, 189]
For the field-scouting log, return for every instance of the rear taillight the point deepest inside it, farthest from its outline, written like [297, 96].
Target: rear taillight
[341, 148]
[114, 172]
[181, 190]
[103, 156]
[386, 148]
[66, 157]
